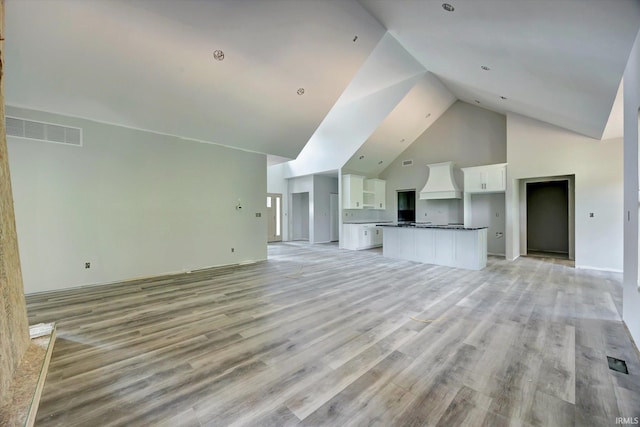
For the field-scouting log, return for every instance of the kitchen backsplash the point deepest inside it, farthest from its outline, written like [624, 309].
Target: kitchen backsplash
[373, 215]
[439, 211]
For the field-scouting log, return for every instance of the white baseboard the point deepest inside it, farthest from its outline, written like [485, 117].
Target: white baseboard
[587, 267]
[149, 277]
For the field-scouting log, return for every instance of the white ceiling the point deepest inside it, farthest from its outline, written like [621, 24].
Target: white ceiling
[148, 64]
[419, 109]
[384, 79]
[559, 61]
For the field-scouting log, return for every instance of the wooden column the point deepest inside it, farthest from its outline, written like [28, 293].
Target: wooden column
[14, 326]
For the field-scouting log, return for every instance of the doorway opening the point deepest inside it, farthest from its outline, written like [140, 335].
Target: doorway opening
[549, 218]
[406, 206]
[274, 217]
[300, 216]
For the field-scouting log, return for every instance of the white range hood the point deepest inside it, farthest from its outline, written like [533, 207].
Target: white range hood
[441, 183]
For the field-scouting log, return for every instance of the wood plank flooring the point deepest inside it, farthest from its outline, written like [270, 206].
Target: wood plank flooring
[319, 336]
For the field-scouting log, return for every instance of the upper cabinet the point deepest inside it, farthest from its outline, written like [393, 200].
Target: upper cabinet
[374, 194]
[485, 179]
[352, 191]
[361, 193]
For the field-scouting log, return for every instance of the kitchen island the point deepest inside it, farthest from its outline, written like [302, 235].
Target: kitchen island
[452, 246]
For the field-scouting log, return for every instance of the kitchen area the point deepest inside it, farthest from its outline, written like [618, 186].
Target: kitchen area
[442, 224]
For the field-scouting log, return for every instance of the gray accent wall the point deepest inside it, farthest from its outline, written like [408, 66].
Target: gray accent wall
[132, 204]
[464, 134]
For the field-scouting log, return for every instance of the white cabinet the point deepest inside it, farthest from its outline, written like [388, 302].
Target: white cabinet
[453, 248]
[482, 180]
[375, 194]
[359, 193]
[352, 191]
[361, 236]
[376, 236]
[485, 179]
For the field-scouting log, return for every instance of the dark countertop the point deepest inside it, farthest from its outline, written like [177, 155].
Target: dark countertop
[366, 222]
[432, 226]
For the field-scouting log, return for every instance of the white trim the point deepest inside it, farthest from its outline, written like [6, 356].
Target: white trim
[587, 267]
[153, 276]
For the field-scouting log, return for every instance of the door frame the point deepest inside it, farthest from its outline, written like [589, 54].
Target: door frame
[277, 216]
[571, 214]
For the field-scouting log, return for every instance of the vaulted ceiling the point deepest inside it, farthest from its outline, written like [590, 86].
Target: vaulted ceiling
[149, 64]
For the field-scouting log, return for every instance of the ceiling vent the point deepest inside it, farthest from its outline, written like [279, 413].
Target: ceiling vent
[42, 131]
[407, 163]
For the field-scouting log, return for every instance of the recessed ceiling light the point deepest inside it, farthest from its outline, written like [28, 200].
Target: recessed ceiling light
[448, 7]
[218, 55]
[300, 91]
[477, 102]
[503, 97]
[380, 162]
[361, 157]
[484, 67]
[355, 38]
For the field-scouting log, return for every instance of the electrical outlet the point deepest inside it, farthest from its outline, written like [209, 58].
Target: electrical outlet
[87, 265]
[258, 214]
[233, 249]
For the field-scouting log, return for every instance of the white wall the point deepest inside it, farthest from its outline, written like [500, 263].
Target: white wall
[318, 217]
[488, 210]
[631, 297]
[300, 217]
[319, 188]
[131, 203]
[323, 186]
[464, 134]
[537, 149]
[276, 183]
[302, 184]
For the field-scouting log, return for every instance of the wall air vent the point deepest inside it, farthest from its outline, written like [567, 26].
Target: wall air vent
[407, 163]
[42, 131]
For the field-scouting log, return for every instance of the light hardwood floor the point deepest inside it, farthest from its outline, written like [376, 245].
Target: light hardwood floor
[321, 336]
